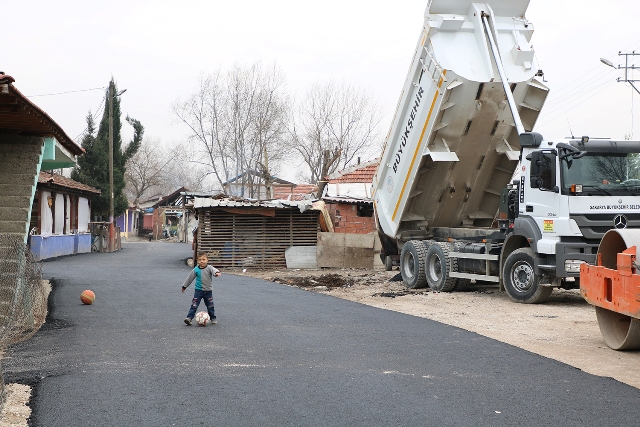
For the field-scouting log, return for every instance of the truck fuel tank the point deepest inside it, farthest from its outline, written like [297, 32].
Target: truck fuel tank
[477, 266]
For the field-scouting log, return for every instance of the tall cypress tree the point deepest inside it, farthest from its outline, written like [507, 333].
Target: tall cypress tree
[93, 166]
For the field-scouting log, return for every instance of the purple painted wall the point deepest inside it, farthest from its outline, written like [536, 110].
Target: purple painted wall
[59, 245]
[120, 222]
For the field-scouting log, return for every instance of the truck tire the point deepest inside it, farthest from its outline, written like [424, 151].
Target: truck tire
[438, 265]
[388, 263]
[520, 281]
[412, 259]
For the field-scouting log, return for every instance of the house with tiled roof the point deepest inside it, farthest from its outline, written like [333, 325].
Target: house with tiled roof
[296, 192]
[348, 198]
[60, 217]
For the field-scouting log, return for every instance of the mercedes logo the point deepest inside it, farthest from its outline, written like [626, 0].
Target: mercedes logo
[620, 221]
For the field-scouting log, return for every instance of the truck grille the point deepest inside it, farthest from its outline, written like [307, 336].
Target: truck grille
[609, 217]
[594, 226]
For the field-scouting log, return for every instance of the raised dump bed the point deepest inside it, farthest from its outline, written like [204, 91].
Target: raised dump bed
[453, 145]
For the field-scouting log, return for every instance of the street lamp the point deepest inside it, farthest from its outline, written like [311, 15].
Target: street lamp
[112, 230]
[605, 61]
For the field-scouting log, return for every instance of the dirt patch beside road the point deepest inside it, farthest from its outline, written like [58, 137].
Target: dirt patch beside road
[564, 328]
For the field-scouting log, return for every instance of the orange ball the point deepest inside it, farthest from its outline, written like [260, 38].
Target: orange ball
[87, 297]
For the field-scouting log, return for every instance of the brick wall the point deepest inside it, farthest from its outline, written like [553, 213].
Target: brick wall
[346, 220]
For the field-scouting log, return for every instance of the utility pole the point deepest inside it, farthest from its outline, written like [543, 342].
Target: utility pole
[626, 68]
[267, 174]
[112, 230]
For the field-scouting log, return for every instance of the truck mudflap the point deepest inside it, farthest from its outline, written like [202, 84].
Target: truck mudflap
[613, 287]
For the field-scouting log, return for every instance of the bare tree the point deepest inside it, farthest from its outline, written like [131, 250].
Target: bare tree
[184, 172]
[238, 121]
[147, 171]
[331, 126]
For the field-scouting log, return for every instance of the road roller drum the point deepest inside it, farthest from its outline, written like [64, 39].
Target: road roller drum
[613, 287]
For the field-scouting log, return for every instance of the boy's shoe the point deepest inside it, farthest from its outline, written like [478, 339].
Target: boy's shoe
[187, 321]
[214, 320]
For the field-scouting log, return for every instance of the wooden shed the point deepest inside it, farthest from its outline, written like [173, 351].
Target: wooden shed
[253, 234]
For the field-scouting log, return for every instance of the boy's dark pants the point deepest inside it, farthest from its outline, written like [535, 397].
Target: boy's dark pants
[207, 296]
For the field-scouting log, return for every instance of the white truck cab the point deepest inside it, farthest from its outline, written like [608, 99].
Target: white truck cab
[570, 193]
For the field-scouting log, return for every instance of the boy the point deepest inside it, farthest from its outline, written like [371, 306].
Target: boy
[203, 275]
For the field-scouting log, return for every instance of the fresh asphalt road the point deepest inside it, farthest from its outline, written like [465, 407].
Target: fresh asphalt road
[278, 356]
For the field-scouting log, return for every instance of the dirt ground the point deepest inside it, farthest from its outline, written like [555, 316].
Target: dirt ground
[15, 411]
[564, 328]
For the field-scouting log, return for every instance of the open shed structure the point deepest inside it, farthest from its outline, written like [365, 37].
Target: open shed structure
[241, 233]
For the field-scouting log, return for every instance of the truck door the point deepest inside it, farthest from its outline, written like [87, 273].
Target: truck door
[543, 201]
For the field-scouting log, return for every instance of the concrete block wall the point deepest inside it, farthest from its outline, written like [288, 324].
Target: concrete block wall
[19, 168]
[346, 220]
[345, 250]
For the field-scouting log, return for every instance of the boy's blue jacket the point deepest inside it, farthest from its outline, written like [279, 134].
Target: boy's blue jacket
[203, 277]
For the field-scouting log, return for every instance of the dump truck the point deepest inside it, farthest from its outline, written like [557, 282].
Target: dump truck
[466, 190]
[613, 287]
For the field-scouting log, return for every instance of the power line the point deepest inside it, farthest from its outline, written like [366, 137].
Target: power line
[69, 91]
[560, 105]
[94, 116]
[593, 82]
[591, 95]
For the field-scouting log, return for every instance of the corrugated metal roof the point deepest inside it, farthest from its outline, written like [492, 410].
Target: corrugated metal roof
[47, 178]
[168, 199]
[350, 200]
[255, 174]
[20, 116]
[204, 203]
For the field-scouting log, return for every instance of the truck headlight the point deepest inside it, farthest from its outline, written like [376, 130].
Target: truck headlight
[572, 265]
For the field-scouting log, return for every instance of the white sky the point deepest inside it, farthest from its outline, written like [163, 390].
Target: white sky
[157, 49]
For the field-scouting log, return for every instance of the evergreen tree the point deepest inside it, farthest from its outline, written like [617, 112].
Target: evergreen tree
[93, 166]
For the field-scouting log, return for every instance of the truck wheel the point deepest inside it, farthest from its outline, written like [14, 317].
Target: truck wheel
[388, 263]
[438, 265]
[520, 281]
[412, 264]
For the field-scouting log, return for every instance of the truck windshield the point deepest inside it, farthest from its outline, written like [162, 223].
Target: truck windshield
[611, 174]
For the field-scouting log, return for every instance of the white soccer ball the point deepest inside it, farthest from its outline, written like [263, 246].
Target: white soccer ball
[202, 318]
